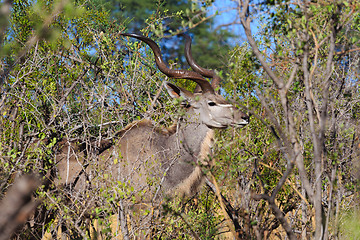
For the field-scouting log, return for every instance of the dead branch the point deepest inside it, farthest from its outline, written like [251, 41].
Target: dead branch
[17, 205]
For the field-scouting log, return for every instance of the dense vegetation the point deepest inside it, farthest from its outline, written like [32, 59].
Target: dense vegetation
[291, 173]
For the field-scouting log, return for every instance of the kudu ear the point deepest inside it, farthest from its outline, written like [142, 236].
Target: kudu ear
[177, 92]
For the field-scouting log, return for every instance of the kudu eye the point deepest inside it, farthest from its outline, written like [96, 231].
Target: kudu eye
[211, 104]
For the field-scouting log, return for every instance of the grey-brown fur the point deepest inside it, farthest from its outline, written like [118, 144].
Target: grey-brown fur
[152, 160]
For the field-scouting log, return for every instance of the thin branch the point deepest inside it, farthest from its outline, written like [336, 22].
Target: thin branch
[292, 77]
[312, 74]
[230, 211]
[123, 221]
[225, 213]
[278, 214]
[245, 21]
[235, 22]
[62, 100]
[271, 128]
[33, 40]
[17, 205]
[328, 73]
[282, 180]
[347, 51]
[288, 182]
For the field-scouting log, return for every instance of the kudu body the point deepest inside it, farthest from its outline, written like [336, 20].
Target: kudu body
[153, 161]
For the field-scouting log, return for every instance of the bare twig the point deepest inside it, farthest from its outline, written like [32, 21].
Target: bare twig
[288, 181]
[123, 222]
[245, 21]
[229, 222]
[62, 100]
[278, 214]
[34, 39]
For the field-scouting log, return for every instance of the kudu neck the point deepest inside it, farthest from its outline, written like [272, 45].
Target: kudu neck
[194, 136]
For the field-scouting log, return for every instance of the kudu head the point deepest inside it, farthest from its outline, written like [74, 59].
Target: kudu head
[208, 107]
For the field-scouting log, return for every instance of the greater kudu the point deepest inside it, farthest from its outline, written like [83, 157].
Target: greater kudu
[152, 160]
